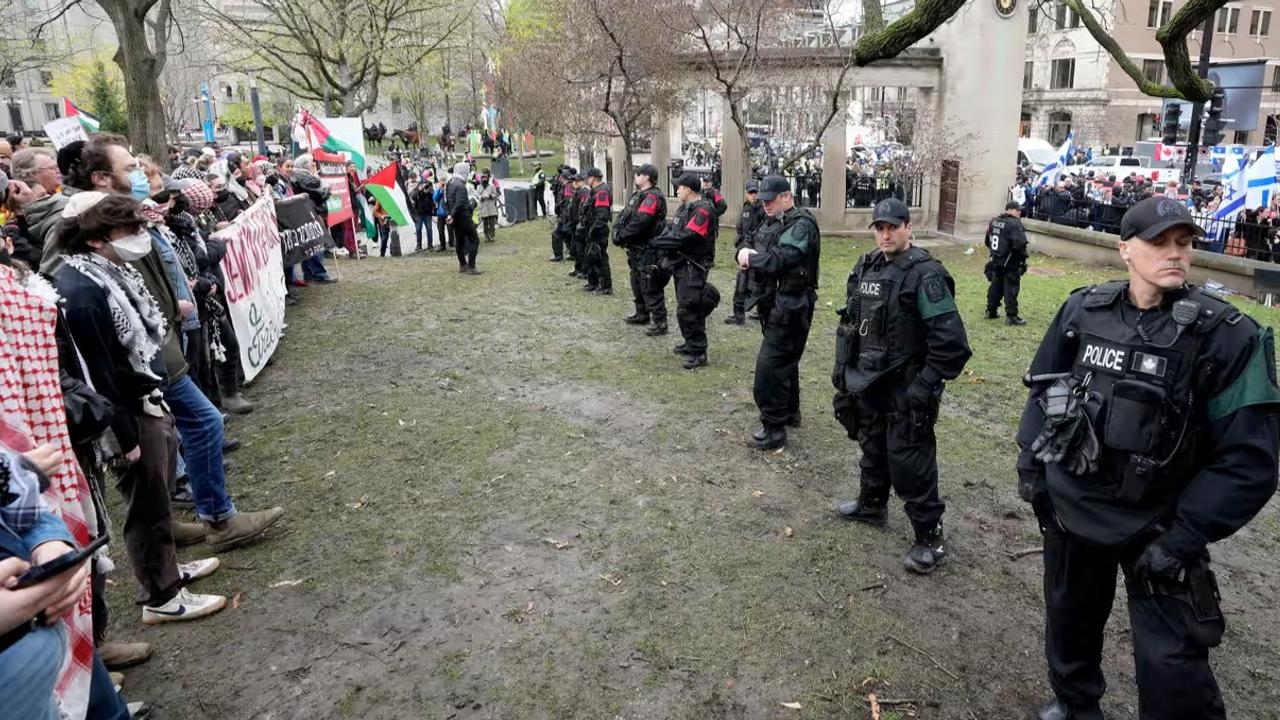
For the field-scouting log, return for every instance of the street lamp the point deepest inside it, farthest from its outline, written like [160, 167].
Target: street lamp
[257, 114]
[196, 99]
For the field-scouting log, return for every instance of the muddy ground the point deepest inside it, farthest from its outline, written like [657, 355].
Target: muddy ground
[505, 503]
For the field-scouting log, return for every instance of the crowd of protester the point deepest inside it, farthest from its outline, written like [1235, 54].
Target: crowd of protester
[121, 368]
[1097, 203]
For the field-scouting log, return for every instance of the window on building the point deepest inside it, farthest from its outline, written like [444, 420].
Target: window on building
[1241, 137]
[1063, 74]
[1275, 80]
[1159, 12]
[1229, 20]
[1153, 70]
[1059, 126]
[46, 78]
[395, 104]
[1034, 19]
[1060, 15]
[1260, 23]
[52, 112]
[1073, 20]
[1028, 69]
[1148, 126]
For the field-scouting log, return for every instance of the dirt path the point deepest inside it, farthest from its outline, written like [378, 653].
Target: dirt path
[505, 503]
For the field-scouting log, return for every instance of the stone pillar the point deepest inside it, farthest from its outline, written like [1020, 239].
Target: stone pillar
[834, 150]
[571, 152]
[733, 164]
[598, 157]
[982, 94]
[660, 151]
[619, 178]
[675, 137]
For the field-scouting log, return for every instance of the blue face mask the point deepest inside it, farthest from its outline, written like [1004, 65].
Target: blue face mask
[141, 189]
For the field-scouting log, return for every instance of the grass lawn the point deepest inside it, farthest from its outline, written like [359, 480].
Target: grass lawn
[505, 503]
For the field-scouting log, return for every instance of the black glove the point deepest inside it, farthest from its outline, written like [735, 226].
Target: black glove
[1155, 564]
[918, 395]
[989, 270]
[1031, 485]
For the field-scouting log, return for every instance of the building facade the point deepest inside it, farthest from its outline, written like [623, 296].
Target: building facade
[1071, 84]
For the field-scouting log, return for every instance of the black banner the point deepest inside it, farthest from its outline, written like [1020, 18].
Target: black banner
[302, 232]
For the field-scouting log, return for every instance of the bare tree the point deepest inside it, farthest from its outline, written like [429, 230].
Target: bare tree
[342, 49]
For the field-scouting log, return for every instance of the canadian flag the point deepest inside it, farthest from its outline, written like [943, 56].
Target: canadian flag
[1166, 152]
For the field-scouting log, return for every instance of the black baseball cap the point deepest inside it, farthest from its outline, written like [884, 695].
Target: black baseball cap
[1012, 205]
[577, 177]
[648, 169]
[595, 173]
[690, 181]
[772, 186]
[1153, 216]
[892, 211]
[753, 187]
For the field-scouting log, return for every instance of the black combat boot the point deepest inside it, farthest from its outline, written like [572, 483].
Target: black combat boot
[603, 291]
[991, 314]
[681, 349]
[736, 319]
[929, 550]
[590, 287]
[864, 510]
[767, 438]
[636, 319]
[656, 329]
[693, 361]
[1014, 320]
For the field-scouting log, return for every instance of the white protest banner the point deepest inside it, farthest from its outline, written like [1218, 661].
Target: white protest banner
[254, 270]
[64, 131]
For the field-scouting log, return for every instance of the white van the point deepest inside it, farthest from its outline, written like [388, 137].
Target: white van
[1035, 153]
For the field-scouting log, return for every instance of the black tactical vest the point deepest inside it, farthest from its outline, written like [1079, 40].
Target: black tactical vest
[1141, 380]
[888, 337]
[997, 241]
[798, 282]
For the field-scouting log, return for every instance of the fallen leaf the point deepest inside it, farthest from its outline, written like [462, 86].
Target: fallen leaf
[757, 493]
[793, 706]
[788, 532]
[557, 544]
[235, 601]
[359, 503]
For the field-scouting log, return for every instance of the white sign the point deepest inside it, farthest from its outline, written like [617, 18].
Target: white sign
[255, 292]
[64, 131]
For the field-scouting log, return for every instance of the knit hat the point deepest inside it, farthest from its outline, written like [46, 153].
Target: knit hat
[199, 196]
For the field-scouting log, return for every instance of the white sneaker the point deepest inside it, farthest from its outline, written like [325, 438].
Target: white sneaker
[196, 569]
[184, 606]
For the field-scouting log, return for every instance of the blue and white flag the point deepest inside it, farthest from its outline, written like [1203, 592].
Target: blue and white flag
[1261, 178]
[1234, 188]
[1054, 170]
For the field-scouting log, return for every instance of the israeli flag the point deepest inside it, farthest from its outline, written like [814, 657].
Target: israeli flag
[1261, 179]
[1234, 188]
[1054, 170]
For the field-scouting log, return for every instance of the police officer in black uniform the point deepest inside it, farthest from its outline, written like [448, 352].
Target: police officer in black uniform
[539, 187]
[577, 229]
[711, 193]
[783, 264]
[599, 212]
[1150, 431]
[557, 205]
[900, 337]
[688, 248]
[1007, 241]
[750, 219]
[639, 223]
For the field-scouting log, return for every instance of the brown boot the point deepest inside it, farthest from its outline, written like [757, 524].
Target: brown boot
[118, 656]
[185, 533]
[241, 529]
[236, 403]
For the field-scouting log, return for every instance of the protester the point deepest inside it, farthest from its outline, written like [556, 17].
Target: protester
[488, 207]
[304, 181]
[459, 206]
[423, 207]
[443, 228]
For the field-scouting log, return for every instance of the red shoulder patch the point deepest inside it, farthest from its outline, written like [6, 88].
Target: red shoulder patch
[650, 205]
[700, 223]
[603, 199]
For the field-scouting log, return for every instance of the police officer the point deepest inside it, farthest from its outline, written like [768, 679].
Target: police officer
[784, 263]
[1150, 431]
[558, 201]
[638, 224]
[575, 232]
[596, 218]
[712, 194]
[1007, 241]
[688, 247]
[900, 337]
[538, 187]
[749, 220]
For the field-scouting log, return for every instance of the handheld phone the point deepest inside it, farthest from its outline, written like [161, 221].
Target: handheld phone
[60, 564]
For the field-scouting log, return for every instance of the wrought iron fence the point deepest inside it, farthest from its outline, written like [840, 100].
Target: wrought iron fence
[865, 191]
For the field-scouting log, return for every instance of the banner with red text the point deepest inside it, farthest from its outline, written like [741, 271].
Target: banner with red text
[332, 169]
[254, 270]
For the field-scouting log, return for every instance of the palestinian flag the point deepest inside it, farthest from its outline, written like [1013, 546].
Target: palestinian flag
[312, 134]
[363, 210]
[383, 187]
[87, 121]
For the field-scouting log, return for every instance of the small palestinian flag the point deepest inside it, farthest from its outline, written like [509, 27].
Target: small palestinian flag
[382, 186]
[87, 121]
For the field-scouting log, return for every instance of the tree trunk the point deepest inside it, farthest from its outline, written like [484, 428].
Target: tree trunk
[141, 81]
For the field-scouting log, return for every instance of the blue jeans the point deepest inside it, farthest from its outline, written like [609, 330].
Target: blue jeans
[423, 222]
[313, 267]
[104, 702]
[28, 671]
[200, 427]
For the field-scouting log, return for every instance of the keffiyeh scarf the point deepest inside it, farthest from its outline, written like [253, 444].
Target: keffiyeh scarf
[135, 316]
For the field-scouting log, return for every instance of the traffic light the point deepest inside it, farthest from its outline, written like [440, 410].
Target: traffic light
[1214, 125]
[1172, 113]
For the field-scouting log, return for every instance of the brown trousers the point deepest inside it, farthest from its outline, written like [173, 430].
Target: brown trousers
[148, 533]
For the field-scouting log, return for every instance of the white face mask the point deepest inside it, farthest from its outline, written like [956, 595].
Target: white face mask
[133, 247]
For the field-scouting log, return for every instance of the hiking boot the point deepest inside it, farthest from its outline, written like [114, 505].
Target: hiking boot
[694, 361]
[196, 569]
[768, 438]
[604, 291]
[1014, 320]
[929, 550]
[184, 606]
[236, 403]
[656, 329]
[117, 679]
[118, 656]
[186, 533]
[991, 315]
[241, 529]
[735, 319]
[863, 511]
[636, 319]
[681, 349]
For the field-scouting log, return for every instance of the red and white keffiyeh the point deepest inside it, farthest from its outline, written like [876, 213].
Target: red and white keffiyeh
[32, 414]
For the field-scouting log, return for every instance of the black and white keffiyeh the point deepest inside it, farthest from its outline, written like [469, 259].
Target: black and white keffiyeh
[135, 316]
